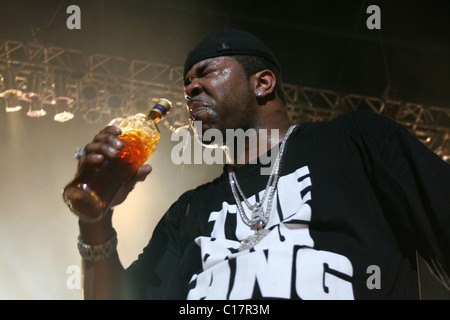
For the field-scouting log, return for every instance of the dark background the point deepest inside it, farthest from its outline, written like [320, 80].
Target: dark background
[324, 44]
[318, 43]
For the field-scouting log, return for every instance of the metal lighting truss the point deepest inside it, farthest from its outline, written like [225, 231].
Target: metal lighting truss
[131, 80]
[430, 124]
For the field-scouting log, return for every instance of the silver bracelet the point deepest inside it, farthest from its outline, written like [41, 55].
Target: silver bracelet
[97, 252]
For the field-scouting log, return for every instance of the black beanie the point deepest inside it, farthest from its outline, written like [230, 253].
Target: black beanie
[228, 42]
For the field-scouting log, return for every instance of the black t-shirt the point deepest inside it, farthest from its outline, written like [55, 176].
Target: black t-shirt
[357, 197]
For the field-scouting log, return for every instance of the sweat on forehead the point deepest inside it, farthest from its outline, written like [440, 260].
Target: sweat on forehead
[228, 42]
[200, 67]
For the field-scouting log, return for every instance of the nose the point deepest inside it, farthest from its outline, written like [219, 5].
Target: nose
[193, 89]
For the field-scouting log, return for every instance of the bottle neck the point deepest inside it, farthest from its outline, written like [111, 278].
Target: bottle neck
[155, 116]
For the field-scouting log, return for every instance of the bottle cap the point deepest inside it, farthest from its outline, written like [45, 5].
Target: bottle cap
[163, 107]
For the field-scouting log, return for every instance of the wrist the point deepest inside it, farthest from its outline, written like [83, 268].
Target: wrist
[97, 252]
[98, 232]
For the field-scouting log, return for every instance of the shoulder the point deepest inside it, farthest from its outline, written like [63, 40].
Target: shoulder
[367, 130]
[368, 125]
[364, 120]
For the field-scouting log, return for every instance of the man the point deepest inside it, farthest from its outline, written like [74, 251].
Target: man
[341, 215]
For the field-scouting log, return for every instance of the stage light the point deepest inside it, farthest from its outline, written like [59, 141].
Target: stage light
[89, 93]
[63, 116]
[11, 94]
[93, 115]
[62, 101]
[63, 107]
[116, 104]
[35, 109]
[12, 100]
[114, 101]
[32, 96]
[140, 102]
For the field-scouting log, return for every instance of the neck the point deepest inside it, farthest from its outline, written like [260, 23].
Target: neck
[248, 145]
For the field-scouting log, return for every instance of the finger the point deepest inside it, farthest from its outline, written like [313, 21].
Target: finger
[105, 143]
[95, 153]
[111, 130]
[142, 172]
[104, 149]
[109, 138]
[92, 159]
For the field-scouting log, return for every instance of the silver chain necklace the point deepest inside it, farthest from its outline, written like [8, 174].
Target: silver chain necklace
[259, 218]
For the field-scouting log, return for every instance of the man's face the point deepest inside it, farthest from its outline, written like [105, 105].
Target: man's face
[219, 95]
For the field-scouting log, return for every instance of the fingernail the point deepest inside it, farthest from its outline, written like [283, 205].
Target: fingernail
[118, 143]
[112, 150]
[97, 156]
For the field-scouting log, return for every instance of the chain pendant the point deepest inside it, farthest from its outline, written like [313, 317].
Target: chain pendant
[259, 219]
[252, 240]
[257, 212]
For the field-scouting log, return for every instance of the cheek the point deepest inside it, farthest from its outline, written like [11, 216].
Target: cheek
[222, 81]
[231, 93]
[226, 72]
[231, 87]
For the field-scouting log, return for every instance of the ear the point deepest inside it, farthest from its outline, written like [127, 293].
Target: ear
[263, 83]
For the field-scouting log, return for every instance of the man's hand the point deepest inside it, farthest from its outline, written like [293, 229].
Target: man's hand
[105, 146]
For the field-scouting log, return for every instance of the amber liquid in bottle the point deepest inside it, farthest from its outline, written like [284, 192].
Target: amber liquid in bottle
[92, 191]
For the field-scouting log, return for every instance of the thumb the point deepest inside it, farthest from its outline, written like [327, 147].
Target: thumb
[142, 172]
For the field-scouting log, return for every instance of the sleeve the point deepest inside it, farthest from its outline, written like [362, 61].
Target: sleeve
[414, 184]
[155, 274]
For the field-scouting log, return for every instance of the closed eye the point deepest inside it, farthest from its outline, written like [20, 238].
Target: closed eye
[201, 71]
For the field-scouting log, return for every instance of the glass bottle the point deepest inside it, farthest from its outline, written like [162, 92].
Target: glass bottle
[91, 192]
